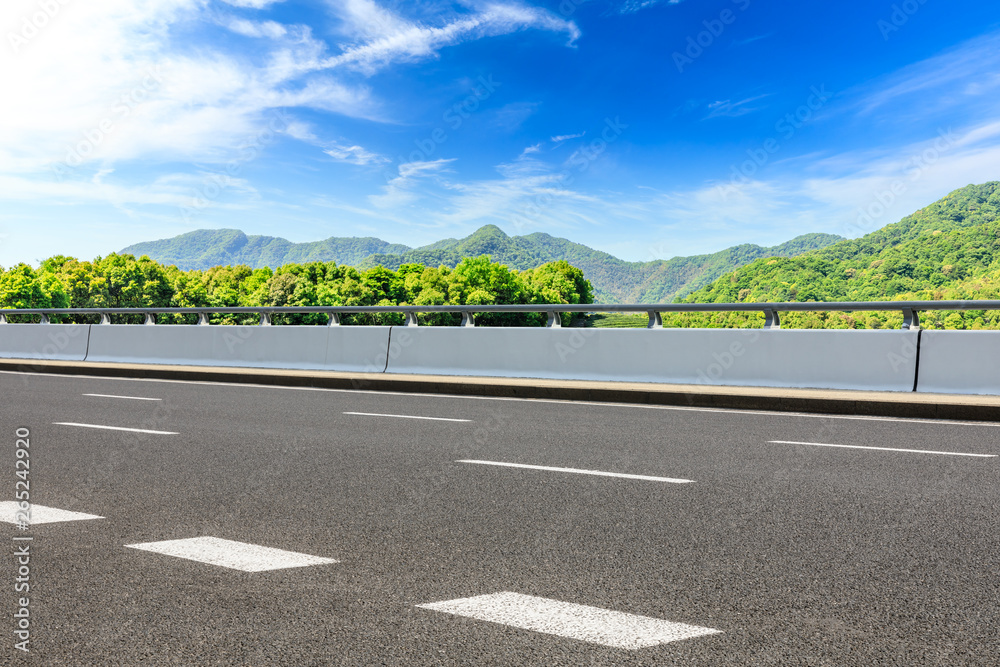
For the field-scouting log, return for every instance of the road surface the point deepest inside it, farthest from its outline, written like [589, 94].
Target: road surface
[267, 525]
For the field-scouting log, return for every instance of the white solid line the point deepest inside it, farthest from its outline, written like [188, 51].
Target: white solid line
[116, 428]
[575, 621]
[231, 554]
[581, 472]
[133, 398]
[437, 419]
[884, 449]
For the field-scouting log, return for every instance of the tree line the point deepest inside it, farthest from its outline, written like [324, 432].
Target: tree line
[124, 281]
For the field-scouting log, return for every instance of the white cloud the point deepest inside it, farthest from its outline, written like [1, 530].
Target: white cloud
[733, 109]
[943, 82]
[559, 138]
[247, 28]
[119, 80]
[113, 82]
[366, 19]
[355, 155]
[398, 191]
[633, 6]
[528, 150]
[252, 4]
[392, 40]
[851, 193]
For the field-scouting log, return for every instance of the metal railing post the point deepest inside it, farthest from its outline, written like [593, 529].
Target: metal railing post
[411, 319]
[554, 320]
[771, 319]
[655, 320]
[468, 319]
[911, 319]
[334, 320]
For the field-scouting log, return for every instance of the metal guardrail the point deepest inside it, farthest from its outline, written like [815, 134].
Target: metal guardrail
[910, 310]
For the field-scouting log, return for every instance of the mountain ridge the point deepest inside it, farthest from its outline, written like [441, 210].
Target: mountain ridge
[614, 279]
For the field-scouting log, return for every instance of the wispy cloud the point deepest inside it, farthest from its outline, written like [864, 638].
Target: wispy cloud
[528, 150]
[165, 93]
[252, 4]
[559, 138]
[511, 116]
[633, 6]
[849, 193]
[396, 40]
[733, 109]
[970, 70]
[750, 40]
[399, 190]
[355, 155]
[247, 28]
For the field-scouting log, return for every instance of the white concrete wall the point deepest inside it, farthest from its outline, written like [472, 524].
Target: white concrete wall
[878, 360]
[959, 362]
[58, 342]
[293, 347]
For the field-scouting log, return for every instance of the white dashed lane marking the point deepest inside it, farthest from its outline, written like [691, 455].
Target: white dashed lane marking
[436, 419]
[883, 449]
[574, 621]
[580, 472]
[116, 428]
[231, 554]
[131, 398]
[42, 514]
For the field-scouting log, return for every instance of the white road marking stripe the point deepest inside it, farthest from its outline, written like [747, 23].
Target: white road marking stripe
[605, 404]
[231, 554]
[133, 398]
[884, 449]
[575, 621]
[436, 419]
[116, 428]
[41, 514]
[581, 472]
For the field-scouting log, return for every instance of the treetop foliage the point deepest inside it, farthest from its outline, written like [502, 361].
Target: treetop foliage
[124, 281]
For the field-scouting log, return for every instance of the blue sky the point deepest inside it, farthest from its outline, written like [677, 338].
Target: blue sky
[644, 128]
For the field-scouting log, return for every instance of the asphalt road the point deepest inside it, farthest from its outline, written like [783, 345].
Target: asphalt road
[796, 554]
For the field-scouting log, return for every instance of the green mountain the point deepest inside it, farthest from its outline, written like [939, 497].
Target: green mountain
[614, 280]
[205, 248]
[947, 250]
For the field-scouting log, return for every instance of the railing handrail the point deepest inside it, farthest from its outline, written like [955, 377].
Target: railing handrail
[910, 310]
[533, 308]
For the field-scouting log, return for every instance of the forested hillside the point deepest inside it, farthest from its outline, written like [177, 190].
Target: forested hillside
[122, 281]
[947, 250]
[614, 280]
[205, 248]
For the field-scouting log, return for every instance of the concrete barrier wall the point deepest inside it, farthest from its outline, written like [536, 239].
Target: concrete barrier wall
[954, 362]
[876, 360]
[293, 347]
[56, 342]
[959, 362]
